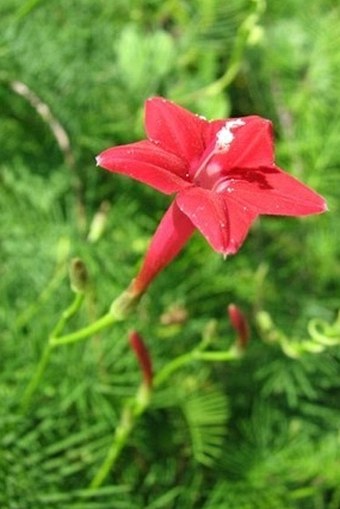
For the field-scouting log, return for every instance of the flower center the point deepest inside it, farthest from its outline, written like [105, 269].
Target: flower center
[208, 171]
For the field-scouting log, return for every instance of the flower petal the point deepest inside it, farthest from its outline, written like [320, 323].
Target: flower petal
[251, 147]
[172, 233]
[272, 191]
[223, 224]
[240, 219]
[146, 163]
[174, 128]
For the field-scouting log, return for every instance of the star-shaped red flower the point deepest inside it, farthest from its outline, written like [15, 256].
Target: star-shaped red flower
[223, 173]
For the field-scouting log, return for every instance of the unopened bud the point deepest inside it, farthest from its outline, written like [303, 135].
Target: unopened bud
[264, 321]
[240, 324]
[78, 275]
[98, 223]
[140, 350]
[267, 328]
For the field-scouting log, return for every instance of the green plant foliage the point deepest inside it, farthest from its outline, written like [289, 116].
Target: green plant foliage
[258, 432]
[206, 415]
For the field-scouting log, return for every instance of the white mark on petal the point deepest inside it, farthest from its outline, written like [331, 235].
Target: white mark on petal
[225, 135]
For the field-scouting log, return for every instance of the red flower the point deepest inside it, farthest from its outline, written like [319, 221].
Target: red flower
[223, 174]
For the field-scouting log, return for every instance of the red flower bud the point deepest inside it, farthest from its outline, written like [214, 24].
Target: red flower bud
[240, 324]
[138, 346]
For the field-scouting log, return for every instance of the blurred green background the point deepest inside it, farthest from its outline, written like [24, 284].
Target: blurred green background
[260, 433]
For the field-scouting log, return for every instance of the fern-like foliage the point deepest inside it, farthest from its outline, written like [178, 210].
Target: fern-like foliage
[206, 414]
[258, 433]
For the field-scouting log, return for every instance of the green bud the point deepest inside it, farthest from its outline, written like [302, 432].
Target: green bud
[78, 275]
[264, 321]
[99, 221]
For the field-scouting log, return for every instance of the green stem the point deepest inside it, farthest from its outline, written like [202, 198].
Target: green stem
[66, 315]
[120, 308]
[85, 332]
[230, 355]
[45, 357]
[135, 408]
[197, 354]
[130, 415]
[121, 435]
[38, 374]
[173, 366]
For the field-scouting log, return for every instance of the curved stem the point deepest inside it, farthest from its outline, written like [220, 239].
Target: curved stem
[120, 308]
[45, 357]
[67, 315]
[85, 332]
[173, 366]
[197, 354]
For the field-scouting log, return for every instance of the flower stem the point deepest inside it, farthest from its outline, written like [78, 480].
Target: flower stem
[66, 315]
[35, 380]
[173, 366]
[120, 308]
[85, 332]
[46, 354]
[130, 415]
[196, 354]
[229, 355]
[135, 408]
